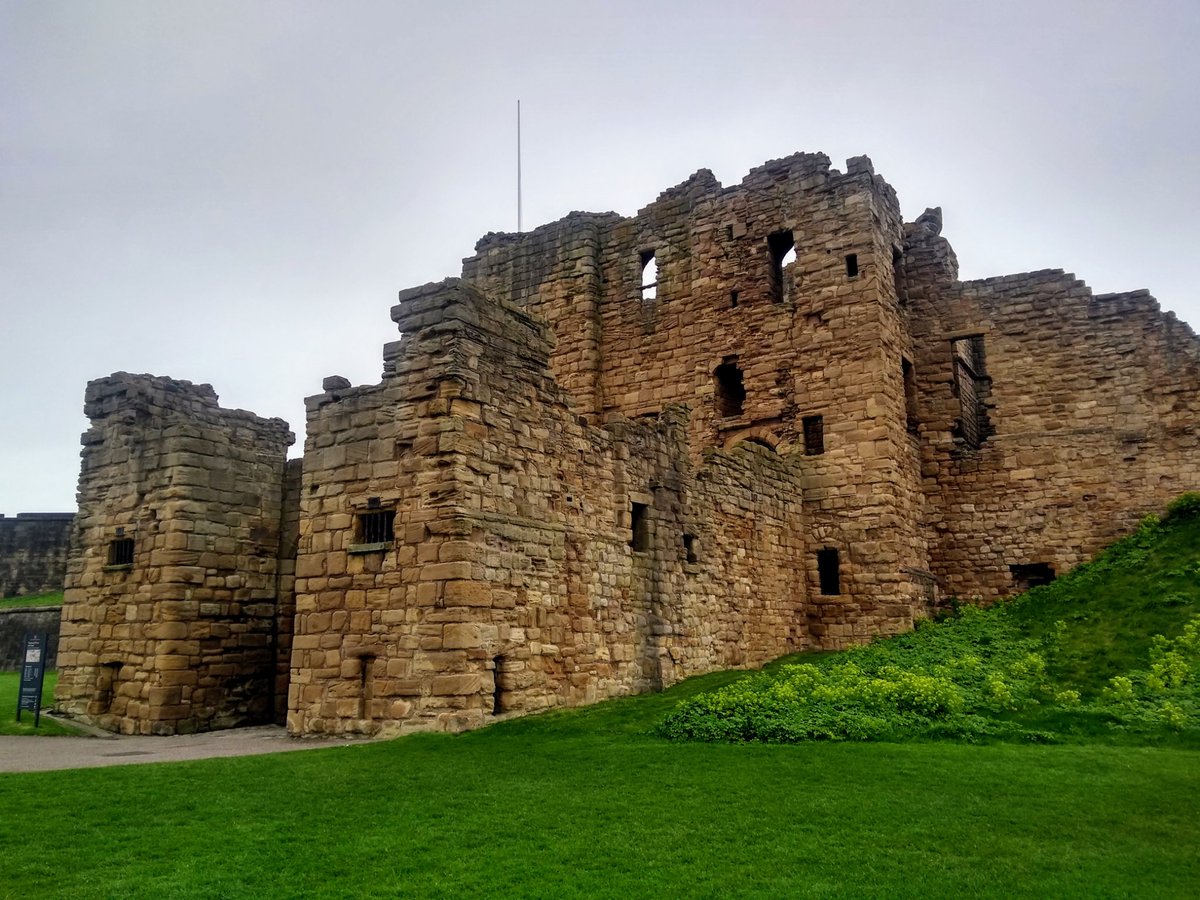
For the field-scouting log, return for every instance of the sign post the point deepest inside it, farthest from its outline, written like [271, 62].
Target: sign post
[33, 672]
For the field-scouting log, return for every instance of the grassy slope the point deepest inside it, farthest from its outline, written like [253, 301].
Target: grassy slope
[55, 598]
[1009, 671]
[1145, 585]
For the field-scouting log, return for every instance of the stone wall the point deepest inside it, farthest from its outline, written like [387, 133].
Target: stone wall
[33, 552]
[1092, 408]
[16, 623]
[822, 339]
[537, 560]
[170, 622]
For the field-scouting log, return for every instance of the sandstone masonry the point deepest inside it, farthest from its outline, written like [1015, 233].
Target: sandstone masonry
[615, 453]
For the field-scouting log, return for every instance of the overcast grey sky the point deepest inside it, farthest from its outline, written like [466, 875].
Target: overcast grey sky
[233, 192]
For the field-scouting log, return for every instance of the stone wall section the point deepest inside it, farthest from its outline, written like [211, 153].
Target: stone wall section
[33, 552]
[537, 560]
[1093, 408]
[170, 617]
[823, 336]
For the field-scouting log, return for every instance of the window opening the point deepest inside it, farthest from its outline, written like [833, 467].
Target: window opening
[782, 247]
[365, 664]
[649, 276]
[912, 423]
[106, 686]
[733, 299]
[639, 522]
[377, 527]
[498, 698]
[689, 548]
[120, 551]
[730, 389]
[828, 572]
[973, 386]
[1031, 575]
[851, 265]
[814, 435]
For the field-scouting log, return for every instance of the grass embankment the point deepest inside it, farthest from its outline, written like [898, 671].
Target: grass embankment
[592, 803]
[1111, 651]
[10, 683]
[54, 598]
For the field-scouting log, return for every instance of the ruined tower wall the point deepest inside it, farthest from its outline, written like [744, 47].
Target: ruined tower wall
[33, 552]
[169, 614]
[554, 272]
[821, 338]
[537, 561]
[1092, 407]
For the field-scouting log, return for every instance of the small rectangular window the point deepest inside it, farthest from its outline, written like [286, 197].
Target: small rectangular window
[1031, 575]
[639, 523]
[851, 265]
[377, 527]
[120, 552]
[733, 299]
[498, 698]
[814, 435]
[828, 572]
[689, 548]
[729, 389]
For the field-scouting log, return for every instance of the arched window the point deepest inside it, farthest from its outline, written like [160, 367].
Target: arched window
[649, 276]
[782, 247]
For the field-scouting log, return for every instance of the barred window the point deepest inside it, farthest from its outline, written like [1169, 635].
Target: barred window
[120, 552]
[377, 527]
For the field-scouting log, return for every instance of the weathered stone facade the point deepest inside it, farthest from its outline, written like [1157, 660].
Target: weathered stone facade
[621, 451]
[171, 617]
[33, 552]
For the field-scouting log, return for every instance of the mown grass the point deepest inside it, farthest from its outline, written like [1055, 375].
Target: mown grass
[10, 683]
[591, 804]
[54, 598]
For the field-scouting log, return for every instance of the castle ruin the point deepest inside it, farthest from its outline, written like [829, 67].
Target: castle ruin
[617, 452]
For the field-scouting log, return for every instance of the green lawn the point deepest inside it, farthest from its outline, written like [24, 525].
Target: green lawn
[10, 683]
[590, 804]
[54, 598]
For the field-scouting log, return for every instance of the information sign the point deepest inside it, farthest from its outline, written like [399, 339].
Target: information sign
[33, 672]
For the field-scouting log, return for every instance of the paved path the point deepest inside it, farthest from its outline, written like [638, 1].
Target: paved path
[42, 754]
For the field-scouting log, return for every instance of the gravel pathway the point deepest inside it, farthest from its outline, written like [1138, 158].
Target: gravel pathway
[43, 754]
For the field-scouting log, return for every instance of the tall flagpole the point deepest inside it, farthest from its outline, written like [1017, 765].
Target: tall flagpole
[518, 166]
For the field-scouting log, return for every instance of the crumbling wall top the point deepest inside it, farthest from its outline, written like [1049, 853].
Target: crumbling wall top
[123, 394]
